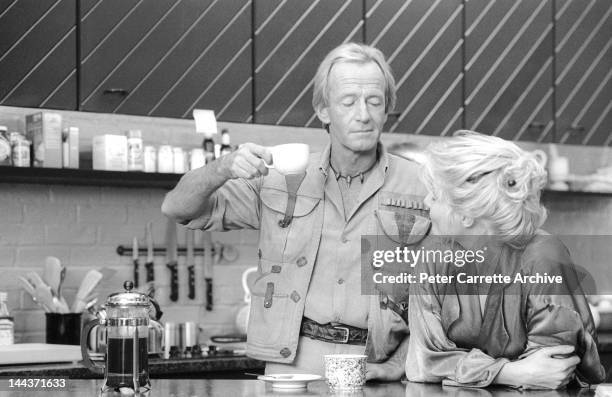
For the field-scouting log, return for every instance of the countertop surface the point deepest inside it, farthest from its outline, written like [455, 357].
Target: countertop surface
[252, 388]
[157, 367]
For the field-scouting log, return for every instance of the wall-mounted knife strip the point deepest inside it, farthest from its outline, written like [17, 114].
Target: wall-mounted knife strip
[159, 251]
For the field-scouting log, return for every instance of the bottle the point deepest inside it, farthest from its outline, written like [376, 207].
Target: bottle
[5, 146]
[20, 149]
[65, 148]
[7, 327]
[225, 142]
[178, 157]
[150, 159]
[165, 159]
[209, 147]
[135, 150]
[197, 158]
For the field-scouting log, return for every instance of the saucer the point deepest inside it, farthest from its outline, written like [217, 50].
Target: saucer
[289, 381]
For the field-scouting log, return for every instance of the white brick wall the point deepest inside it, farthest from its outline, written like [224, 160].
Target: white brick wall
[83, 226]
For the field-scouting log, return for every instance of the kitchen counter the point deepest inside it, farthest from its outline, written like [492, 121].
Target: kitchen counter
[252, 388]
[207, 367]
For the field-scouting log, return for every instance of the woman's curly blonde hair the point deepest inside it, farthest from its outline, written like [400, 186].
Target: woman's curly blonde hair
[489, 178]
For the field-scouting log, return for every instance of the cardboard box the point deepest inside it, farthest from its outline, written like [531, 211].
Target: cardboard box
[110, 152]
[44, 130]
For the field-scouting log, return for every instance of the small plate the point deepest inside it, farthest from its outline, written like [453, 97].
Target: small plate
[289, 381]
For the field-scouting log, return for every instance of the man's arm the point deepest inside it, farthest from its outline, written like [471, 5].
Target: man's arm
[190, 198]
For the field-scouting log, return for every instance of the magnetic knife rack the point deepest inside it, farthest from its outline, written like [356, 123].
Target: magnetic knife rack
[159, 251]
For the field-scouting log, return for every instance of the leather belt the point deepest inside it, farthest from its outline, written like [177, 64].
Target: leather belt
[333, 332]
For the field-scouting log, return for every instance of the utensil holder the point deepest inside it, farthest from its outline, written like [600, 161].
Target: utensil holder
[63, 328]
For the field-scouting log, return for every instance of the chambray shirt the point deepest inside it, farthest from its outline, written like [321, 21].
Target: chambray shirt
[335, 293]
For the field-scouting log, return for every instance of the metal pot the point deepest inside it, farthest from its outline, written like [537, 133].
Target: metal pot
[97, 337]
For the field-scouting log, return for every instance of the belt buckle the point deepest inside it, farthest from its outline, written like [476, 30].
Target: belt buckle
[346, 338]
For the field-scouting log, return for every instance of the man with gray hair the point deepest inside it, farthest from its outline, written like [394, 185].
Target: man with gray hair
[307, 299]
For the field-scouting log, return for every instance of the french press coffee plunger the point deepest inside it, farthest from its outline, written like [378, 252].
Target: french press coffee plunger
[126, 318]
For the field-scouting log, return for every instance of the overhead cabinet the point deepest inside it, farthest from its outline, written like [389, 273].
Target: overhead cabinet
[166, 57]
[37, 53]
[534, 70]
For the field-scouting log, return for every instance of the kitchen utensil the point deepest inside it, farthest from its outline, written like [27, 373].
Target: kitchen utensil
[63, 328]
[59, 287]
[172, 258]
[52, 274]
[27, 285]
[190, 237]
[89, 282]
[42, 292]
[97, 335]
[149, 264]
[125, 318]
[238, 338]
[172, 337]
[208, 268]
[135, 260]
[242, 317]
[189, 334]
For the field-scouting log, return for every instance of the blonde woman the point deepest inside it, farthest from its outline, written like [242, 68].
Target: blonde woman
[485, 192]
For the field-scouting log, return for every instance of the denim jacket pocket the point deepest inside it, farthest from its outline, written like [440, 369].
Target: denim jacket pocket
[269, 301]
[403, 226]
[286, 243]
[276, 200]
[268, 311]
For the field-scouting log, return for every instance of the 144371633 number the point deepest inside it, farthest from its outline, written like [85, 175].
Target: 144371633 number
[33, 384]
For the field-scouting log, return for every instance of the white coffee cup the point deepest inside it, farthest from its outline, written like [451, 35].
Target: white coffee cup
[345, 371]
[290, 158]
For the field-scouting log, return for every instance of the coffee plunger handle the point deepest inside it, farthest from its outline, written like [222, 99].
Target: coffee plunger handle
[89, 363]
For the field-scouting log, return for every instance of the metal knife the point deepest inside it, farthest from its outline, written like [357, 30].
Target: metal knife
[150, 277]
[135, 261]
[172, 258]
[190, 238]
[208, 268]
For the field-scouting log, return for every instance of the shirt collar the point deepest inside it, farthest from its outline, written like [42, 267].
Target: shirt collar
[382, 161]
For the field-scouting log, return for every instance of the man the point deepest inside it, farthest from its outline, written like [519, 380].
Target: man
[307, 300]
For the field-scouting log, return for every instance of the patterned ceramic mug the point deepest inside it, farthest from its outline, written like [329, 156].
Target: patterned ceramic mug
[345, 371]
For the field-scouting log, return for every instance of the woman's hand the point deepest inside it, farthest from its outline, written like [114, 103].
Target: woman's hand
[384, 371]
[547, 368]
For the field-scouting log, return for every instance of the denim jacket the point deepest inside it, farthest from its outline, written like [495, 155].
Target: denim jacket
[286, 255]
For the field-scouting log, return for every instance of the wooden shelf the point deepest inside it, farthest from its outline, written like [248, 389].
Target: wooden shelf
[66, 176]
[555, 193]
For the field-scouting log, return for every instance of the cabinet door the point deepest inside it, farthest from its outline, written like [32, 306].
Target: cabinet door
[37, 53]
[584, 71]
[291, 39]
[509, 63]
[167, 57]
[422, 42]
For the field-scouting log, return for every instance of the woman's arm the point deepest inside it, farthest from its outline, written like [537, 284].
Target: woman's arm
[559, 314]
[432, 357]
[547, 368]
